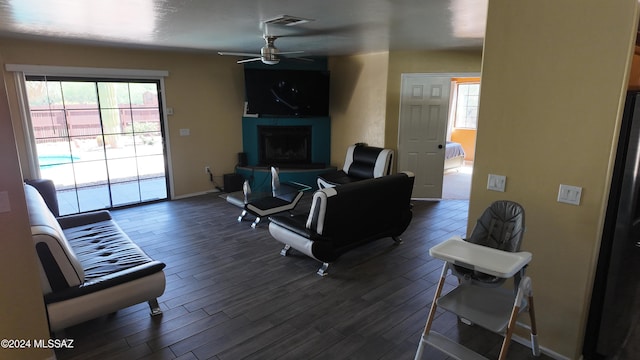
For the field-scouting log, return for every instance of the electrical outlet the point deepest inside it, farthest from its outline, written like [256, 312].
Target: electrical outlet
[207, 170]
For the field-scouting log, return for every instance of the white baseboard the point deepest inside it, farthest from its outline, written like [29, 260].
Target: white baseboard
[185, 196]
[550, 353]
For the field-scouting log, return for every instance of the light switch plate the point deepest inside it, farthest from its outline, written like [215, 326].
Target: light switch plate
[569, 194]
[185, 132]
[496, 182]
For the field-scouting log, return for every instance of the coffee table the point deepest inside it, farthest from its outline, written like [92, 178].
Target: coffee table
[261, 204]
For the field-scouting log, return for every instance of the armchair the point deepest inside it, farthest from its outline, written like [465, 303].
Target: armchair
[361, 162]
[284, 197]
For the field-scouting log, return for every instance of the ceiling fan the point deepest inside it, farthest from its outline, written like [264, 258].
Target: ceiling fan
[269, 54]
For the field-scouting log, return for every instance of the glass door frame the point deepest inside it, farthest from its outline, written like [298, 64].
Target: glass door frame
[94, 74]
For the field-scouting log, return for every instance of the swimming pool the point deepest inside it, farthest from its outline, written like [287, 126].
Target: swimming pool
[53, 160]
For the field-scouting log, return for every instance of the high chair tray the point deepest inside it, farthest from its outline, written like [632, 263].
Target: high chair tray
[480, 258]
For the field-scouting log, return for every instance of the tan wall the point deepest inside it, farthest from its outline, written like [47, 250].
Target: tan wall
[553, 81]
[358, 102]
[22, 311]
[206, 92]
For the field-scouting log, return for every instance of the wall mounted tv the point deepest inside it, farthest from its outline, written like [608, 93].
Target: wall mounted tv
[287, 93]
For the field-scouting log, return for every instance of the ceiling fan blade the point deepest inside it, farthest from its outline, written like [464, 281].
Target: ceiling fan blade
[249, 60]
[237, 53]
[300, 58]
[288, 57]
[290, 52]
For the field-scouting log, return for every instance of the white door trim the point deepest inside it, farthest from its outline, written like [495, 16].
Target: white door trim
[21, 71]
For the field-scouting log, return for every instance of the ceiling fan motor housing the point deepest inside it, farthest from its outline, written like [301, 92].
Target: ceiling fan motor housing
[269, 55]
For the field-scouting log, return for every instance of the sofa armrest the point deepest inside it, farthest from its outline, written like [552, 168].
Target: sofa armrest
[47, 190]
[106, 281]
[294, 224]
[76, 220]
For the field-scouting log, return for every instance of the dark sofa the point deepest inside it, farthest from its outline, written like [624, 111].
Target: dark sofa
[344, 217]
[88, 266]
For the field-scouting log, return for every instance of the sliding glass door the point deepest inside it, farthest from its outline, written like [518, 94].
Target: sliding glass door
[100, 141]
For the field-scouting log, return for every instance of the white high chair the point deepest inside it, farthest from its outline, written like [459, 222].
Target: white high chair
[482, 263]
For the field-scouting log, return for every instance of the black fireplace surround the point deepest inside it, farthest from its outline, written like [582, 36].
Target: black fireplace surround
[284, 146]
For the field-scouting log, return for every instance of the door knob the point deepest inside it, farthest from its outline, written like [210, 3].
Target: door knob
[440, 146]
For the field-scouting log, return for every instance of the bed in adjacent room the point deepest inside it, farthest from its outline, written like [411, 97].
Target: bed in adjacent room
[454, 156]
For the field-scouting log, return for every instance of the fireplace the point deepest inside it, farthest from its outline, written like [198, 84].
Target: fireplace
[314, 134]
[284, 146]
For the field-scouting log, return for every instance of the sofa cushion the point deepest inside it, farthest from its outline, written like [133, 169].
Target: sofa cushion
[103, 248]
[59, 266]
[337, 177]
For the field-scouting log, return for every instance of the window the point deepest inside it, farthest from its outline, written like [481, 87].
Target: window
[99, 140]
[467, 97]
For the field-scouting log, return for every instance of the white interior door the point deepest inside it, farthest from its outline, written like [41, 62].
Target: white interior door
[424, 108]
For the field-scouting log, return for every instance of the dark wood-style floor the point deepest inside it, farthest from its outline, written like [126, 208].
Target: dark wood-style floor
[230, 295]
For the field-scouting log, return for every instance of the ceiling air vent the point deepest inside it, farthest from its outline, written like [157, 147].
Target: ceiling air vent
[287, 20]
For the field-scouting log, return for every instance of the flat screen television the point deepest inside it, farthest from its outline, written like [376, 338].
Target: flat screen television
[287, 93]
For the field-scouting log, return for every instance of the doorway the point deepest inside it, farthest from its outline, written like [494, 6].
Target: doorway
[438, 114]
[101, 141]
[461, 137]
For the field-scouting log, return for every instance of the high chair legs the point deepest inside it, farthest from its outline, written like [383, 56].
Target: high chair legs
[494, 309]
[534, 329]
[432, 312]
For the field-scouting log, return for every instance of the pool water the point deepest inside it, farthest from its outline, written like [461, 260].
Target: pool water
[52, 160]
